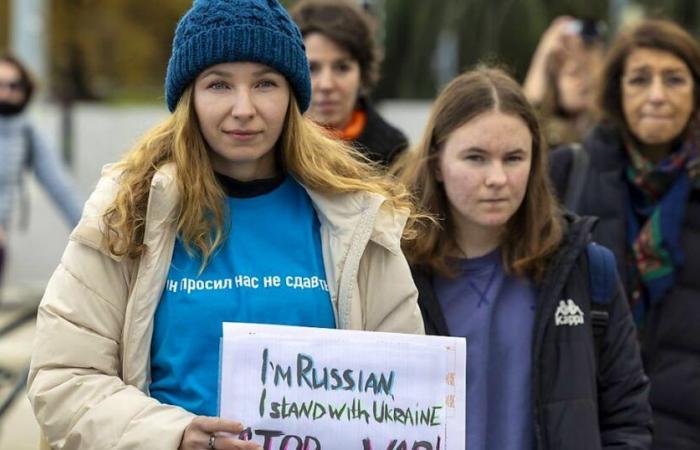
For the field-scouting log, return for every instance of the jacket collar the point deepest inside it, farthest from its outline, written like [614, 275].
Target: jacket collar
[604, 142]
[341, 213]
[162, 208]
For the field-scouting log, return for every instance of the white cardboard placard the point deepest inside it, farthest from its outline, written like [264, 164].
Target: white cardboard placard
[313, 389]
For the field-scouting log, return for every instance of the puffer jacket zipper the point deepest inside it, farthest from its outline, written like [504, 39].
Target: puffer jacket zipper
[348, 276]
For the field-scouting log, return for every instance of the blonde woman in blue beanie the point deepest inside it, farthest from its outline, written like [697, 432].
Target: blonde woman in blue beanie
[234, 209]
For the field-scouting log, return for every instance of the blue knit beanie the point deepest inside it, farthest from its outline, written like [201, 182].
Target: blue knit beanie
[218, 31]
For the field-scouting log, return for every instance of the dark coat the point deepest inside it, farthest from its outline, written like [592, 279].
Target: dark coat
[575, 405]
[380, 141]
[670, 338]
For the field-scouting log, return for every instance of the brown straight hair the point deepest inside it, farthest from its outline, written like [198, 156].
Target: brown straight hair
[534, 232]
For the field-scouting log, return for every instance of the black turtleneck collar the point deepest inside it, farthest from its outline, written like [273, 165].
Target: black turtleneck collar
[249, 189]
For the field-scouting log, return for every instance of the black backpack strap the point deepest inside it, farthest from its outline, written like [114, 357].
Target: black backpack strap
[603, 283]
[577, 176]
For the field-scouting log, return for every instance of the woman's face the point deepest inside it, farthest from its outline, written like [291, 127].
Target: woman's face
[12, 90]
[575, 80]
[335, 81]
[484, 167]
[241, 109]
[657, 95]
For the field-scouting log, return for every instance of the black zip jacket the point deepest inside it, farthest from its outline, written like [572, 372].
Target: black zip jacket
[670, 338]
[379, 141]
[576, 405]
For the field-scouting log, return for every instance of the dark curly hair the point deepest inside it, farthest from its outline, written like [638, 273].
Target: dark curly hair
[348, 26]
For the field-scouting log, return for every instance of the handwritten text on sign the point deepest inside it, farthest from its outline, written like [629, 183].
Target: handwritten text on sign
[313, 389]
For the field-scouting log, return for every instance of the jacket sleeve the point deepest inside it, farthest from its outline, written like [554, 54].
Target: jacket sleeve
[75, 385]
[389, 296]
[560, 161]
[623, 388]
[55, 180]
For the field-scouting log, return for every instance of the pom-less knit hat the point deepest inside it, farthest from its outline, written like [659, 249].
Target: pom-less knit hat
[218, 31]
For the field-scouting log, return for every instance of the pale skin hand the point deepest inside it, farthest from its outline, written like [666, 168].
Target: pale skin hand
[555, 42]
[196, 435]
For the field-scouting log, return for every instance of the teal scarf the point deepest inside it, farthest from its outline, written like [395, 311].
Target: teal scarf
[659, 194]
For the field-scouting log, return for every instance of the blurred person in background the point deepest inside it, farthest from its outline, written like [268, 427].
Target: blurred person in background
[22, 149]
[639, 171]
[344, 61]
[506, 269]
[561, 78]
[235, 183]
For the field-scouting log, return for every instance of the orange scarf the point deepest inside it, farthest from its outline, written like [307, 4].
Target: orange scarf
[354, 128]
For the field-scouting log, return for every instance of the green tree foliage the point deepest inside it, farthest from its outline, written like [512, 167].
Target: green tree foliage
[118, 49]
[107, 48]
[503, 32]
[112, 49]
[4, 23]
[685, 12]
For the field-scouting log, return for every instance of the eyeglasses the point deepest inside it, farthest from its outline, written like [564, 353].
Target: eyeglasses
[640, 82]
[11, 85]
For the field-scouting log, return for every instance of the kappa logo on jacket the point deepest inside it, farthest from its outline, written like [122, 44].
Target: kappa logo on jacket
[568, 313]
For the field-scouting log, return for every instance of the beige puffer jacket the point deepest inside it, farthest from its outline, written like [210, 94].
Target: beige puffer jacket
[89, 377]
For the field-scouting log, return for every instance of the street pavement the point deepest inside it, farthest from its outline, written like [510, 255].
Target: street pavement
[18, 429]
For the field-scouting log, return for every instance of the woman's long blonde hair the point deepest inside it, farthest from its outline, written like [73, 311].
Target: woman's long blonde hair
[534, 232]
[314, 158]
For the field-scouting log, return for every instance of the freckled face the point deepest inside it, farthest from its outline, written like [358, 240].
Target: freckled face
[484, 167]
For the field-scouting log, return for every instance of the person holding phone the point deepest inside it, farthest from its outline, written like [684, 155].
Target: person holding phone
[560, 81]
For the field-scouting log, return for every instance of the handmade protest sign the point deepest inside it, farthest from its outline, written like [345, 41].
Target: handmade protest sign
[299, 388]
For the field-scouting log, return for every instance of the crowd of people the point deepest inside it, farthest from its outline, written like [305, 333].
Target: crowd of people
[553, 225]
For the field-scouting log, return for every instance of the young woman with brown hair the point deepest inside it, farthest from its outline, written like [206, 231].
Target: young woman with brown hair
[503, 267]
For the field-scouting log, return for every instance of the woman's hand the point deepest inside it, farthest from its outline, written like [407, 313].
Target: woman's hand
[556, 42]
[205, 433]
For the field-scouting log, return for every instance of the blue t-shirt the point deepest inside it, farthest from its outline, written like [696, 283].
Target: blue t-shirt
[496, 313]
[270, 270]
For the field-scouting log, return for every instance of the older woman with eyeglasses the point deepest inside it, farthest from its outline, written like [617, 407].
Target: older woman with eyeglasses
[638, 171]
